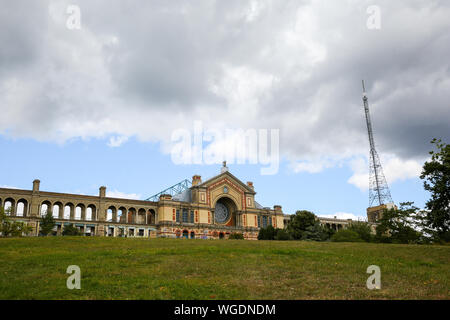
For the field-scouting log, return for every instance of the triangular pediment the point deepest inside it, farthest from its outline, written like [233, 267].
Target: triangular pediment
[230, 177]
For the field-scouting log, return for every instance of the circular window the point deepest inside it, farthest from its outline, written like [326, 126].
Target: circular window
[221, 213]
[225, 189]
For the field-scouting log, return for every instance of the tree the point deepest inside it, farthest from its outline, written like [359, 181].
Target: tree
[362, 229]
[267, 233]
[10, 228]
[71, 230]
[282, 235]
[400, 225]
[346, 235]
[47, 223]
[436, 176]
[304, 225]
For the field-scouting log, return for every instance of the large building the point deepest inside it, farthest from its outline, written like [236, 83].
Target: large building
[211, 209]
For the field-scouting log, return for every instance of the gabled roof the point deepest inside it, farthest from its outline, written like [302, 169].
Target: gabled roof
[227, 173]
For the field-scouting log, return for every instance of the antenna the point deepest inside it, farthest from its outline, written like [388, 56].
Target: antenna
[378, 187]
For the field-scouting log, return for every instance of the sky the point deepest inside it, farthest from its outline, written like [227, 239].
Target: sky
[96, 93]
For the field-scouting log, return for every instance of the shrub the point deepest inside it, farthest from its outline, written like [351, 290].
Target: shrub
[346, 235]
[236, 236]
[70, 230]
[282, 235]
[362, 229]
[267, 233]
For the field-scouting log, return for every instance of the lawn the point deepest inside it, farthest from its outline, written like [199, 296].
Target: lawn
[119, 268]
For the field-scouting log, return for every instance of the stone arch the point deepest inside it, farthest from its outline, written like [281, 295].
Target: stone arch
[221, 235]
[44, 207]
[121, 215]
[80, 212]
[186, 234]
[58, 210]
[92, 211]
[232, 208]
[131, 215]
[69, 211]
[141, 216]
[111, 214]
[151, 216]
[22, 208]
[9, 206]
[339, 227]
[192, 235]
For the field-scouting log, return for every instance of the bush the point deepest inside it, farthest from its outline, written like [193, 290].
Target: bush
[267, 233]
[70, 230]
[282, 235]
[236, 236]
[362, 229]
[346, 235]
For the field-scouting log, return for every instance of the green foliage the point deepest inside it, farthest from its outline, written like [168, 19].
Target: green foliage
[9, 228]
[436, 176]
[47, 223]
[400, 225]
[346, 235]
[71, 230]
[304, 225]
[362, 229]
[282, 235]
[267, 233]
[236, 236]
[270, 233]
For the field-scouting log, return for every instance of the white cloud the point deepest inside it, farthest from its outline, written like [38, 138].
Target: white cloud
[343, 215]
[122, 195]
[117, 141]
[394, 168]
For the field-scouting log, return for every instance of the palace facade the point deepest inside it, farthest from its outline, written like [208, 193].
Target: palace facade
[211, 209]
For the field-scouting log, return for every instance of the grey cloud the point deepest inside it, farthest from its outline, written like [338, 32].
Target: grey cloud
[169, 54]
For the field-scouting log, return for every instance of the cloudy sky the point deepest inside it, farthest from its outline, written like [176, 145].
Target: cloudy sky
[82, 107]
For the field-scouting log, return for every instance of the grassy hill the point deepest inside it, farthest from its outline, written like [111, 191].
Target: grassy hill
[118, 268]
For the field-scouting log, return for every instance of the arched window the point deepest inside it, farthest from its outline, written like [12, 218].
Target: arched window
[44, 209]
[185, 215]
[20, 209]
[109, 215]
[264, 219]
[67, 210]
[78, 213]
[55, 211]
[89, 213]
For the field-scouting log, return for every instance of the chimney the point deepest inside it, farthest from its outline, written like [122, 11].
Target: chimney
[196, 180]
[102, 191]
[250, 184]
[36, 184]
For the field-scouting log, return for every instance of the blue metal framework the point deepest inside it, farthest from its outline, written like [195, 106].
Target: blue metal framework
[173, 190]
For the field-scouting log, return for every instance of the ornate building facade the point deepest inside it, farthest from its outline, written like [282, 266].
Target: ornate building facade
[211, 209]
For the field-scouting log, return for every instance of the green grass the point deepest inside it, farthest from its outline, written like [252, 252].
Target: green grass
[118, 268]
